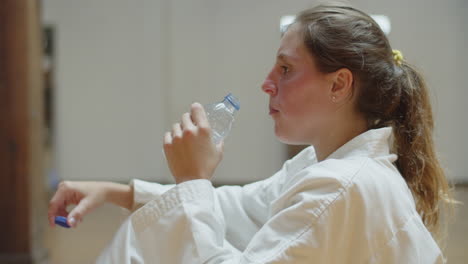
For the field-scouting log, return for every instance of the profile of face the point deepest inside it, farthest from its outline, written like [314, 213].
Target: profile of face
[300, 95]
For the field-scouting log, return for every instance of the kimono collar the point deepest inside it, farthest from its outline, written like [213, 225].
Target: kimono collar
[372, 143]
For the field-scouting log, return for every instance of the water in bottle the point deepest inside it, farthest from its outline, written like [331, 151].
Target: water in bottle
[221, 116]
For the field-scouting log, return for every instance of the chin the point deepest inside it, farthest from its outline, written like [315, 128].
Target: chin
[289, 140]
[292, 142]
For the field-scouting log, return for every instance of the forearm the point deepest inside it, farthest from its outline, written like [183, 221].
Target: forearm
[119, 194]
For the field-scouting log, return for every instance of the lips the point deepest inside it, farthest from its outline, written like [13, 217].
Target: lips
[273, 110]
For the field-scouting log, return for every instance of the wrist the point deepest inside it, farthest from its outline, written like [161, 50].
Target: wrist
[181, 180]
[120, 195]
[191, 179]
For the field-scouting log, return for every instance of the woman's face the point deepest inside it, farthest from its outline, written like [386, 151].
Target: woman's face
[300, 97]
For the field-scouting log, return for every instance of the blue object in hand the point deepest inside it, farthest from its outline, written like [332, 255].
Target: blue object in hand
[61, 221]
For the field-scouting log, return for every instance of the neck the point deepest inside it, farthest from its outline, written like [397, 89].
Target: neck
[337, 134]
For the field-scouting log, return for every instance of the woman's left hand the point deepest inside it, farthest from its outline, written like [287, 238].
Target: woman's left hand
[190, 152]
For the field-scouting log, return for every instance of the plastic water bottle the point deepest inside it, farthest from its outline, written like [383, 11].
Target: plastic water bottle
[221, 116]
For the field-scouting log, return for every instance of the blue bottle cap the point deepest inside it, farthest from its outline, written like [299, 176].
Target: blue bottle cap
[233, 100]
[61, 221]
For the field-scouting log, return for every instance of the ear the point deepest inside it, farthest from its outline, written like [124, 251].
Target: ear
[342, 87]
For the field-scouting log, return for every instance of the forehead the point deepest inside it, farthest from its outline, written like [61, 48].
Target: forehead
[292, 46]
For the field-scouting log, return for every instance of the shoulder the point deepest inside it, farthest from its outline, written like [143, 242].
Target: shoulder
[317, 186]
[357, 173]
[337, 172]
[363, 182]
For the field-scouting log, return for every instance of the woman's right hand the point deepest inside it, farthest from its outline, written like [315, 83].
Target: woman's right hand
[86, 196]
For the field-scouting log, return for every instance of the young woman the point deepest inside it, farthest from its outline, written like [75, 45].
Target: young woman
[369, 189]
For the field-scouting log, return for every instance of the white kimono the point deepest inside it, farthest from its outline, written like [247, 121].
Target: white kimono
[353, 207]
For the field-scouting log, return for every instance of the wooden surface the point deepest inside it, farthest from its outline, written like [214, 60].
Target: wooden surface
[21, 174]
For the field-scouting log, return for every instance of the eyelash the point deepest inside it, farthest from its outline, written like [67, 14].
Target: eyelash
[285, 69]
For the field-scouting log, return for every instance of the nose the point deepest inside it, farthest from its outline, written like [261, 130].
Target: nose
[269, 86]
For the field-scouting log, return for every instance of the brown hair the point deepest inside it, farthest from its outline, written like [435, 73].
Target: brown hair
[389, 93]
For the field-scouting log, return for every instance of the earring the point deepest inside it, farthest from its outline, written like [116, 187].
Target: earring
[334, 99]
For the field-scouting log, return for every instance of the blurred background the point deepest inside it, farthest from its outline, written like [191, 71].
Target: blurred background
[89, 87]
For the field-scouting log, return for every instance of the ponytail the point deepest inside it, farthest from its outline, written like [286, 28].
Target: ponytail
[417, 160]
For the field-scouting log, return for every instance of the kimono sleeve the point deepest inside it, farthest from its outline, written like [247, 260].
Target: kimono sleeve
[187, 226]
[144, 192]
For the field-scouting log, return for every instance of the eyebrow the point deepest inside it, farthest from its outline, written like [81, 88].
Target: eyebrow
[285, 57]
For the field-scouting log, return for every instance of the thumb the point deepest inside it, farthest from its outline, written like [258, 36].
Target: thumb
[77, 214]
[220, 146]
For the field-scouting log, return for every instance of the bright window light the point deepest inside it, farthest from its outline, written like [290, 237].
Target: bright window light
[384, 23]
[382, 20]
[285, 21]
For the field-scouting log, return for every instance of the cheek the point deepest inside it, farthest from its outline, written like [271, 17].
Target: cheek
[304, 96]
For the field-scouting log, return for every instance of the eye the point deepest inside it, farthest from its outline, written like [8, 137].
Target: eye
[284, 69]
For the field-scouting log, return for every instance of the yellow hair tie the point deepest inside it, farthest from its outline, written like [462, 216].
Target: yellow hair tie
[397, 56]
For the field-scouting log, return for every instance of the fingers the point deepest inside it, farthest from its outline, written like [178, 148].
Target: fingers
[76, 215]
[220, 146]
[191, 122]
[176, 131]
[167, 138]
[51, 214]
[57, 205]
[187, 123]
[66, 195]
[199, 116]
